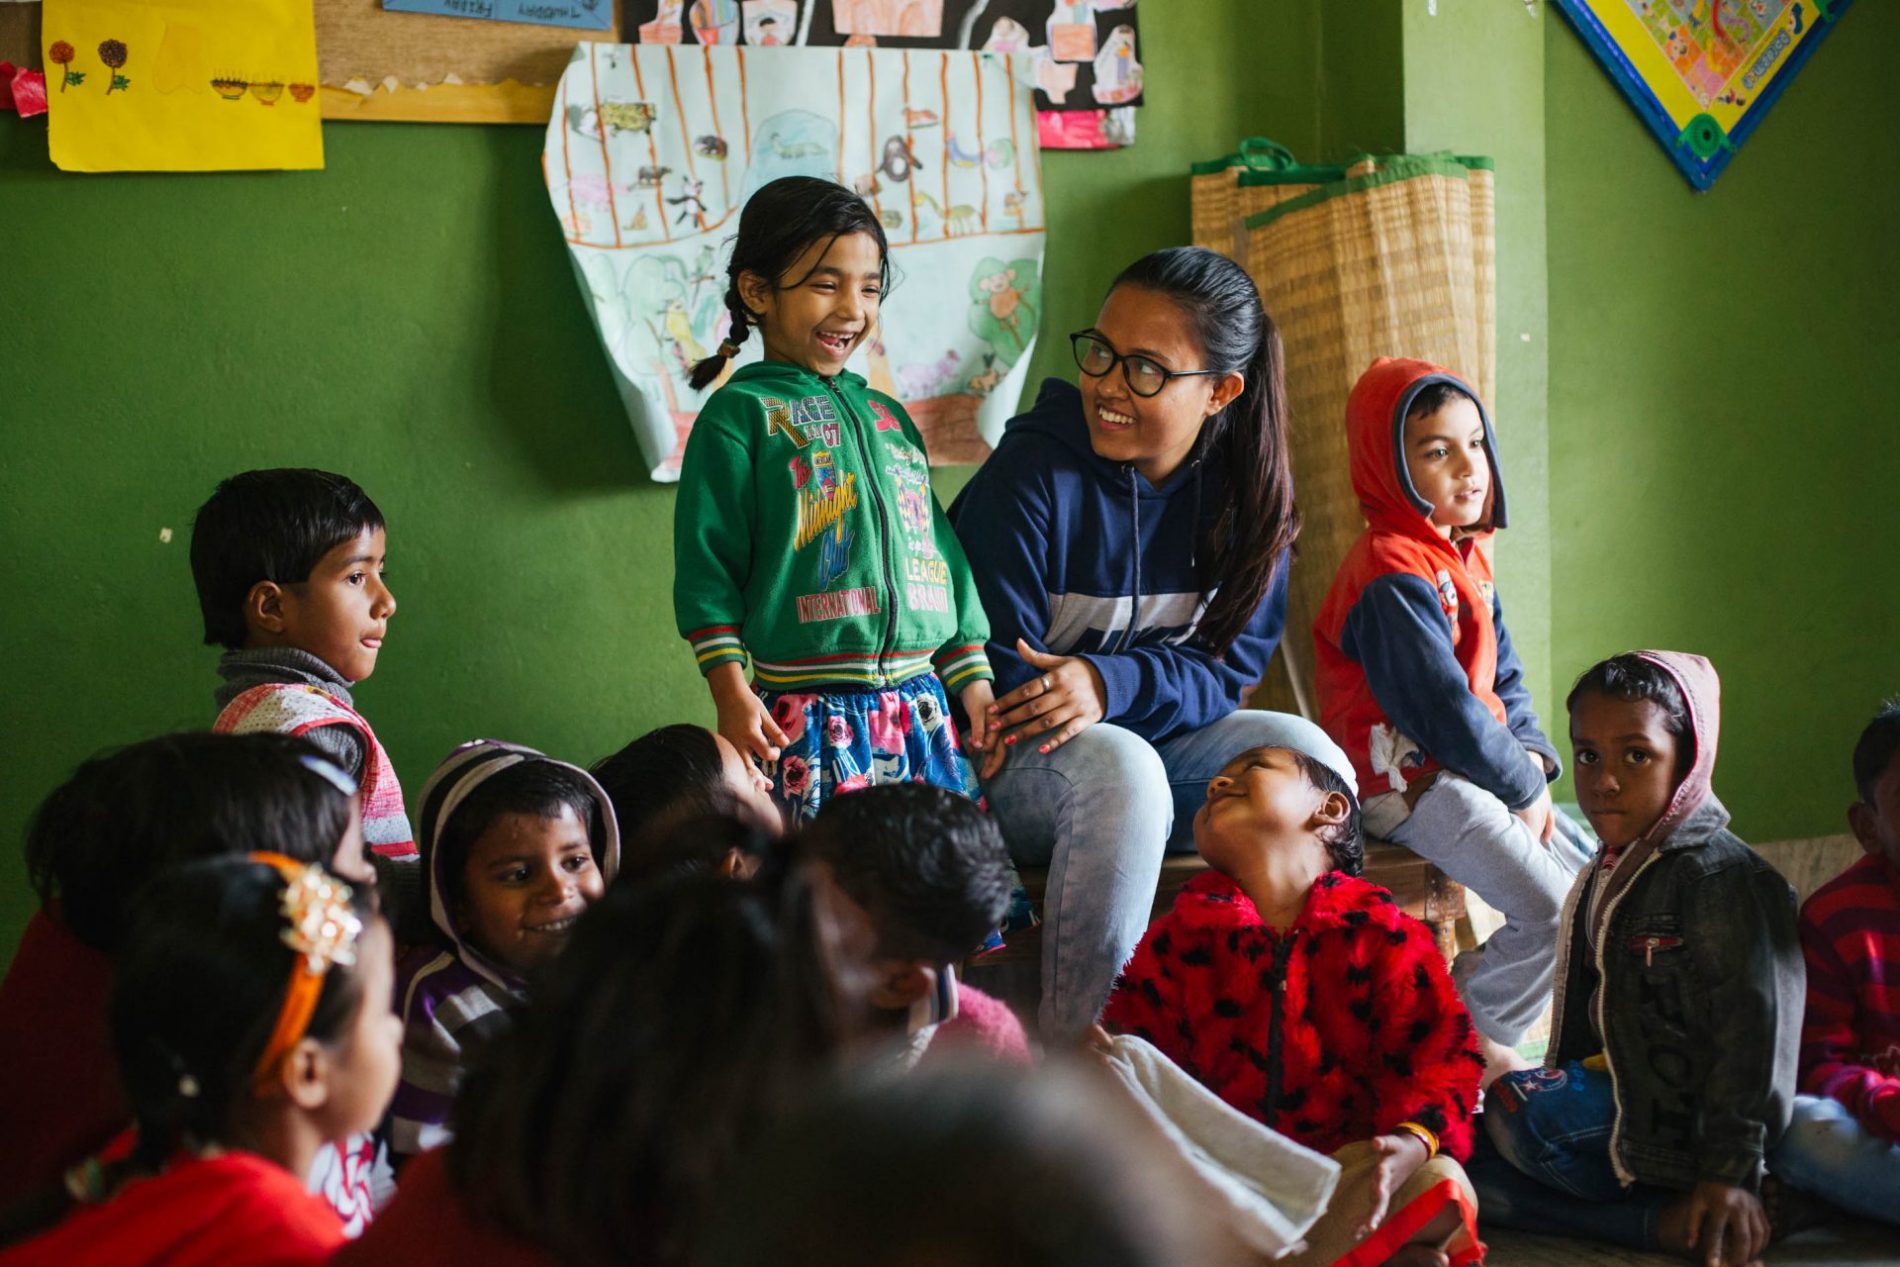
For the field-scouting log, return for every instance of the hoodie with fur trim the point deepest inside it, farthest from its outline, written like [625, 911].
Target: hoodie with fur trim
[1416, 670]
[1334, 1031]
[1081, 556]
[451, 997]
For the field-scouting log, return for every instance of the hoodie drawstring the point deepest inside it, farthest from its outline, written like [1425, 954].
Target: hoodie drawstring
[1194, 538]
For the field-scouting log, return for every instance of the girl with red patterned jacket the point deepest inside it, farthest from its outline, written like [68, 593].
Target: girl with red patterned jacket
[1302, 996]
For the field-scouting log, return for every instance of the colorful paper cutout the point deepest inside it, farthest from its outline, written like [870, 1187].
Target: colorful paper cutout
[1702, 73]
[941, 144]
[584, 15]
[183, 85]
[1087, 51]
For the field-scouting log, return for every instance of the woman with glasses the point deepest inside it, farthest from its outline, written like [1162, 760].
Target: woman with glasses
[1130, 539]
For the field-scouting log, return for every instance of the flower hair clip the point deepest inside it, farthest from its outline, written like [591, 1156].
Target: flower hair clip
[322, 928]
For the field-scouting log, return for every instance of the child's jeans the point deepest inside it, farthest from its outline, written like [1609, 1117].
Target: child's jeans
[1548, 1166]
[1467, 833]
[1826, 1151]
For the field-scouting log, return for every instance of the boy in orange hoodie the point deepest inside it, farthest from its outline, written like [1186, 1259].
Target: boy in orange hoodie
[1419, 683]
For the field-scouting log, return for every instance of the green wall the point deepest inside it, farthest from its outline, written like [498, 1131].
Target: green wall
[408, 316]
[1724, 445]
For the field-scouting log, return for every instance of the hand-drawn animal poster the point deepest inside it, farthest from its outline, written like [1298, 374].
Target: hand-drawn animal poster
[1087, 62]
[182, 85]
[654, 148]
[1702, 73]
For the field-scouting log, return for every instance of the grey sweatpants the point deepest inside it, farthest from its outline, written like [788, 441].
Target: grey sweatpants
[1467, 833]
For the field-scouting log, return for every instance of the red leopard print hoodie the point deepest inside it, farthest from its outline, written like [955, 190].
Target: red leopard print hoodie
[1335, 1031]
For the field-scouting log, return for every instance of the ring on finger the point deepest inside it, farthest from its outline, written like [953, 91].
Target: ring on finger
[1045, 681]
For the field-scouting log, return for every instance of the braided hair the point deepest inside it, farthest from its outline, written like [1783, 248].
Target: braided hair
[780, 222]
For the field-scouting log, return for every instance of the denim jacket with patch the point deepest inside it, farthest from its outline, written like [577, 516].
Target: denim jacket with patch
[1697, 988]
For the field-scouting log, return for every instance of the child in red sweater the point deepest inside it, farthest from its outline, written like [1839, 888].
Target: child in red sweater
[1844, 1141]
[1302, 995]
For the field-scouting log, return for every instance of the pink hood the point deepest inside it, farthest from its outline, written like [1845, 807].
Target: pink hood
[1702, 693]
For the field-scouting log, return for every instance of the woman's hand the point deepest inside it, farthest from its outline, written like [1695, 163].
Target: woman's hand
[1063, 701]
[1400, 1154]
[977, 699]
[743, 719]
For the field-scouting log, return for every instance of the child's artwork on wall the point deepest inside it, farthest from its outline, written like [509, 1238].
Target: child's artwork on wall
[653, 150]
[182, 85]
[585, 15]
[1702, 73]
[1088, 73]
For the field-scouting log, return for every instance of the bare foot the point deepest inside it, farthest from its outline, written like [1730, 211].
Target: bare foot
[1498, 1061]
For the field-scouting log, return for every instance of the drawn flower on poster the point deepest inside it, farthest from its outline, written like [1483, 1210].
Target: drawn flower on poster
[61, 54]
[113, 54]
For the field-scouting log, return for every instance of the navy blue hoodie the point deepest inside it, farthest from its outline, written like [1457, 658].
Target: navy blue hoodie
[1078, 555]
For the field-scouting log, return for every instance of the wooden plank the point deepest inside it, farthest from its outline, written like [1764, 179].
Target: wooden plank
[20, 35]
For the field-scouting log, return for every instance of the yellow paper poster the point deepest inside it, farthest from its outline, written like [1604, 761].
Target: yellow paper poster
[183, 85]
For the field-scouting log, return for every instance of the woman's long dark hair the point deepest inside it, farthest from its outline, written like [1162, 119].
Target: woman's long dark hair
[777, 225]
[686, 1014]
[1250, 536]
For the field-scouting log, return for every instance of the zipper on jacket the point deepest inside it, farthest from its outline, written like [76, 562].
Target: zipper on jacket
[1282, 953]
[1603, 982]
[883, 525]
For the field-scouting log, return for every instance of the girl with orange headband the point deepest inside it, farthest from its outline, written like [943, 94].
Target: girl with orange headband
[251, 1020]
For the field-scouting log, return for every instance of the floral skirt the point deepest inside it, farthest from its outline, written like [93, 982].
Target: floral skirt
[846, 738]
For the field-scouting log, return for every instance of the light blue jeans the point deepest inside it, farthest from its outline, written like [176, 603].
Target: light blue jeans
[1827, 1152]
[1099, 812]
[1467, 833]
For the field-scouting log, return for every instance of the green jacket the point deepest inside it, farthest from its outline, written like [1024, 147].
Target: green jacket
[806, 534]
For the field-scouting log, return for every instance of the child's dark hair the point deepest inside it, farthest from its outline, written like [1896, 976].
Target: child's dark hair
[269, 526]
[683, 1016]
[1049, 1168]
[929, 866]
[1249, 538]
[538, 788]
[777, 225]
[696, 844]
[195, 998]
[1876, 749]
[1435, 396]
[670, 773]
[1632, 677]
[125, 816]
[1345, 842]
[197, 993]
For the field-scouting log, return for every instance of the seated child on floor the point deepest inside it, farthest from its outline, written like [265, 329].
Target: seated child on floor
[289, 570]
[683, 771]
[1419, 683]
[251, 1027]
[1671, 1069]
[1844, 1141]
[926, 877]
[1304, 997]
[515, 846]
[121, 819]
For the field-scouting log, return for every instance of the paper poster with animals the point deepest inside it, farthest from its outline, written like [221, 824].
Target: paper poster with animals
[1702, 73]
[653, 149]
[183, 85]
[1087, 61]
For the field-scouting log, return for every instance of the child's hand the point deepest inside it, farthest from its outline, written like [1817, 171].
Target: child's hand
[1066, 699]
[1540, 816]
[1400, 1155]
[977, 699]
[743, 719]
[1720, 1214]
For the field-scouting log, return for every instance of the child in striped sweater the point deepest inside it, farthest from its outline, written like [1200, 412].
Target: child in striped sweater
[1844, 1142]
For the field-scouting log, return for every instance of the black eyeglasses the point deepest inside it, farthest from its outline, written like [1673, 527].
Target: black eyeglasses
[1094, 357]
